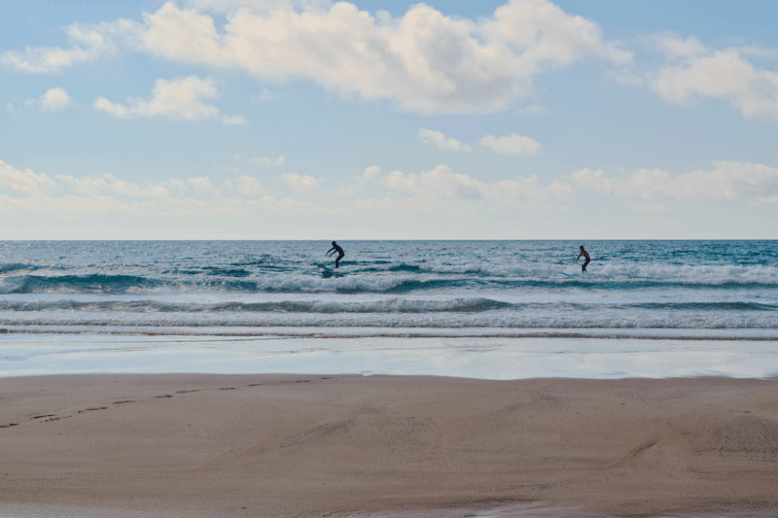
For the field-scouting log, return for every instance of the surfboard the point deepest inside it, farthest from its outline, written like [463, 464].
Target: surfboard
[325, 272]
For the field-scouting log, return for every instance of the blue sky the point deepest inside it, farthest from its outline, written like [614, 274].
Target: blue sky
[291, 119]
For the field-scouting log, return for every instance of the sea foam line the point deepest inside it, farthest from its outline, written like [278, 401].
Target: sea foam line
[411, 333]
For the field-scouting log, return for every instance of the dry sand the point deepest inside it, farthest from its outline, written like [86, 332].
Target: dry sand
[283, 445]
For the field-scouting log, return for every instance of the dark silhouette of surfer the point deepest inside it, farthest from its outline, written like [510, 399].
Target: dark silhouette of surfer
[586, 256]
[339, 250]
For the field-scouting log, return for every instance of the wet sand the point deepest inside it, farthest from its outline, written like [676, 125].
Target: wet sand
[310, 445]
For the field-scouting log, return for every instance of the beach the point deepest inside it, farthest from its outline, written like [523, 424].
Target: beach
[364, 259]
[316, 445]
[434, 379]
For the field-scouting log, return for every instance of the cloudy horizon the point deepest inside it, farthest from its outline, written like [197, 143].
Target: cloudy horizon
[274, 119]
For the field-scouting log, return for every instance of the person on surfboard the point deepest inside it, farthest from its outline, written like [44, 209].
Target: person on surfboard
[585, 254]
[339, 250]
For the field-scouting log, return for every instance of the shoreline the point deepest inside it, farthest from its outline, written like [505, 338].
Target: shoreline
[277, 445]
[503, 358]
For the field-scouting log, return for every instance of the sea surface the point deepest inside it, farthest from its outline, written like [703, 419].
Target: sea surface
[491, 300]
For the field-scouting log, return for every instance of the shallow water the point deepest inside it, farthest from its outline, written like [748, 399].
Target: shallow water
[472, 357]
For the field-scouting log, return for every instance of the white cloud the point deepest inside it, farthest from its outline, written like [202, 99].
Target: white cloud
[89, 43]
[179, 99]
[235, 120]
[424, 60]
[694, 71]
[512, 144]
[25, 182]
[94, 185]
[731, 181]
[442, 183]
[439, 140]
[434, 203]
[202, 183]
[265, 161]
[248, 185]
[595, 180]
[674, 48]
[561, 190]
[54, 99]
[300, 183]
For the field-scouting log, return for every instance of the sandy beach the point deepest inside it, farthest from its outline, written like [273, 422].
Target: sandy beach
[301, 445]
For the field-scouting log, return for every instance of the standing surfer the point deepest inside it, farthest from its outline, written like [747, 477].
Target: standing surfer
[339, 250]
[583, 253]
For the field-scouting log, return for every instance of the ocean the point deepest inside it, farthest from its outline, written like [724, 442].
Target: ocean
[498, 309]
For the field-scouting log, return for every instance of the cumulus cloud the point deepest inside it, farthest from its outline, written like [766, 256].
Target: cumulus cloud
[88, 43]
[300, 183]
[15, 183]
[248, 185]
[694, 71]
[108, 183]
[730, 181]
[234, 120]
[179, 99]
[202, 183]
[424, 60]
[439, 140]
[54, 99]
[512, 144]
[25, 182]
[442, 183]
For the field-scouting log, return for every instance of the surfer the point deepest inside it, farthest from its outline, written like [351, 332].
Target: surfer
[339, 250]
[586, 257]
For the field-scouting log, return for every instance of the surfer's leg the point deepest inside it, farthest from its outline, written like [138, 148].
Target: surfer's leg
[583, 268]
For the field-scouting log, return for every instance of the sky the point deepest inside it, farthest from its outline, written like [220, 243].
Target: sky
[367, 119]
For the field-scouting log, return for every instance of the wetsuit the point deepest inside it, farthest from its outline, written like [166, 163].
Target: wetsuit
[339, 250]
[586, 257]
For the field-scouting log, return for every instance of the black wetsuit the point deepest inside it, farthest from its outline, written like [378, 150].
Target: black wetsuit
[586, 256]
[339, 250]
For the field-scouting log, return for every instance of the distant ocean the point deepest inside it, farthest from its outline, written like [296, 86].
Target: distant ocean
[671, 290]
[677, 288]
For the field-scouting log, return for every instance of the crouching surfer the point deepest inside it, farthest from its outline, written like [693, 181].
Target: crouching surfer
[339, 250]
